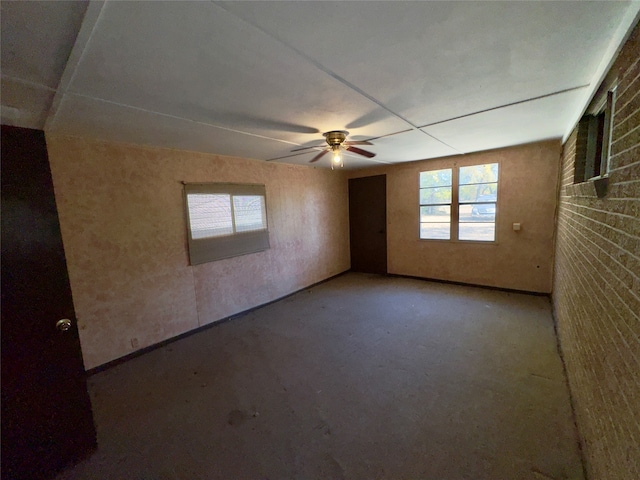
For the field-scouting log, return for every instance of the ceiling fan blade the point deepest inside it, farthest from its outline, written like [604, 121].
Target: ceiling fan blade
[308, 148]
[358, 142]
[359, 151]
[319, 156]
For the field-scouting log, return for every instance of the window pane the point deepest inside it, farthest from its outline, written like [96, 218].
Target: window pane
[249, 212]
[477, 212]
[209, 215]
[479, 174]
[486, 192]
[481, 212]
[435, 213]
[435, 178]
[435, 195]
[435, 231]
[483, 232]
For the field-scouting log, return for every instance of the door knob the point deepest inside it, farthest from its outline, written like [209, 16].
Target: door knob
[63, 325]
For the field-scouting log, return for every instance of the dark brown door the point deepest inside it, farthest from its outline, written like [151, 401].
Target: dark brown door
[368, 224]
[46, 413]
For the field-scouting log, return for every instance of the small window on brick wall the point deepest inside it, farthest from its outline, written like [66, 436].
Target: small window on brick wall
[593, 145]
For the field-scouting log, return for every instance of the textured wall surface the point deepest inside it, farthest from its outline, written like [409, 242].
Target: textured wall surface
[526, 194]
[123, 226]
[597, 289]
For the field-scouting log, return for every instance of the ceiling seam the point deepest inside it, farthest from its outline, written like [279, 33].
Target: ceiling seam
[333, 75]
[539, 97]
[176, 117]
[93, 14]
[84, 48]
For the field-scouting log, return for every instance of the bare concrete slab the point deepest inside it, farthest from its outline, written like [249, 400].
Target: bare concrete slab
[362, 377]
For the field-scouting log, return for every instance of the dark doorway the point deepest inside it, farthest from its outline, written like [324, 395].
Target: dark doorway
[368, 224]
[47, 421]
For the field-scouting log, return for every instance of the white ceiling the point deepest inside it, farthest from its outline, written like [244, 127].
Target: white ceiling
[258, 79]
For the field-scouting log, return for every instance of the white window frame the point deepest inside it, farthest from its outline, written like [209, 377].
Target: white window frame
[236, 243]
[435, 205]
[455, 205]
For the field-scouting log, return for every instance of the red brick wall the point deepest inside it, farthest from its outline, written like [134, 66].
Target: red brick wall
[596, 292]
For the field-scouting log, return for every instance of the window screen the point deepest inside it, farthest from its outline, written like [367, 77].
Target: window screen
[225, 220]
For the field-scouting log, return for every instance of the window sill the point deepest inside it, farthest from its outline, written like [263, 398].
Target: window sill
[453, 241]
[595, 187]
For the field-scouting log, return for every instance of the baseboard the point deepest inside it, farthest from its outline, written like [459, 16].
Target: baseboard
[142, 351]
[465, 284]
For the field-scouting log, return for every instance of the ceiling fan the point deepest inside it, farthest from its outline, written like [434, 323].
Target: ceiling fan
[337, 141]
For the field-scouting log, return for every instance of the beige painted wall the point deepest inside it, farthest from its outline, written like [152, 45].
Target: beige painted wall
[526, 194]
[123, 227]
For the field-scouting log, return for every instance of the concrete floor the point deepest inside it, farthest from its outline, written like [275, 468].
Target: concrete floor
[362, 377]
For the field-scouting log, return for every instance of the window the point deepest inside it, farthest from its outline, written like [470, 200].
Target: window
[478, 195]
[593, 145]
[459, 203]
[225, 220]
[435, 204]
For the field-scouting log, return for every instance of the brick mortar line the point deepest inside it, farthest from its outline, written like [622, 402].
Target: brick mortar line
[585, 288]
[632, 81]
[618, 280]
[614, 199]
[633, 130]
[590, 326]
[625, 182]
[619, 121]
[634, 237]
[565, 198]
[585, 331]
[633, 97]
[610, 271]
[624, 166]
[571, 226]
[602, 211]
[626, 72]
[625, 151]
[631, 84]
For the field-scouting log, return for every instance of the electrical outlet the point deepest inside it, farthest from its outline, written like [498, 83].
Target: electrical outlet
[135, 343]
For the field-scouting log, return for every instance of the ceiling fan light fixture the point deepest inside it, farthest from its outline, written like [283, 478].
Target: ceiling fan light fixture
[337, 157]
[335, 139]
[336, 143]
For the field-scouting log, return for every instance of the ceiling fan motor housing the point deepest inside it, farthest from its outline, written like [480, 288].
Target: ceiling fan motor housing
[336, 137]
